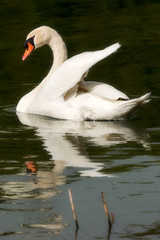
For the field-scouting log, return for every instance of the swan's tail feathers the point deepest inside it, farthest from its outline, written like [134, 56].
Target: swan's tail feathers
[138, 101]
[130, 107]
[145, 98]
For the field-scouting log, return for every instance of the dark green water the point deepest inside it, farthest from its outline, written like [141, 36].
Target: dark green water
[120, 159]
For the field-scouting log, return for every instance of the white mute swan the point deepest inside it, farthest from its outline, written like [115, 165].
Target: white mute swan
[63, 93]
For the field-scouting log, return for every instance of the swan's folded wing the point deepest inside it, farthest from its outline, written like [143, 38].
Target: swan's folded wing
[103, 90]
[71, 72]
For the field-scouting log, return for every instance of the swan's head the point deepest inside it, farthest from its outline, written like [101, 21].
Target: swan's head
[37, 38]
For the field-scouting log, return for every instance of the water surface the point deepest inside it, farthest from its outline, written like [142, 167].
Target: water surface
[119, 158]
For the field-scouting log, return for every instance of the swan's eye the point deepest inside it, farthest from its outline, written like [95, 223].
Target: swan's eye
[25, 45]
[29, 40]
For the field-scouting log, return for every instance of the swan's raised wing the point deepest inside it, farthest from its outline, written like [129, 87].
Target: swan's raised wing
[71, 72]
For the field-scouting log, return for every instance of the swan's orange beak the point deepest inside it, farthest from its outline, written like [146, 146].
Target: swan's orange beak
[28, 50]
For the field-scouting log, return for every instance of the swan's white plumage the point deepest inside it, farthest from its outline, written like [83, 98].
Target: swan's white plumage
[71, 71]
[103, 90]
[64, 94]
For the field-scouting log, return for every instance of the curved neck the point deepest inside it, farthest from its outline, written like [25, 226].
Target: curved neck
[59, 50]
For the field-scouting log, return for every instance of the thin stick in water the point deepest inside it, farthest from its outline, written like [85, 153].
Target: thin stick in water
[73, 208]
[112, 216]
[107, 211]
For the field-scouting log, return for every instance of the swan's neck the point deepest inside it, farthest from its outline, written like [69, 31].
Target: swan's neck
[59, 50]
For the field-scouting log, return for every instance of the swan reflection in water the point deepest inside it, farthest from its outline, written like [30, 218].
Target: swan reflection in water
[65, 141]
[61, 140]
